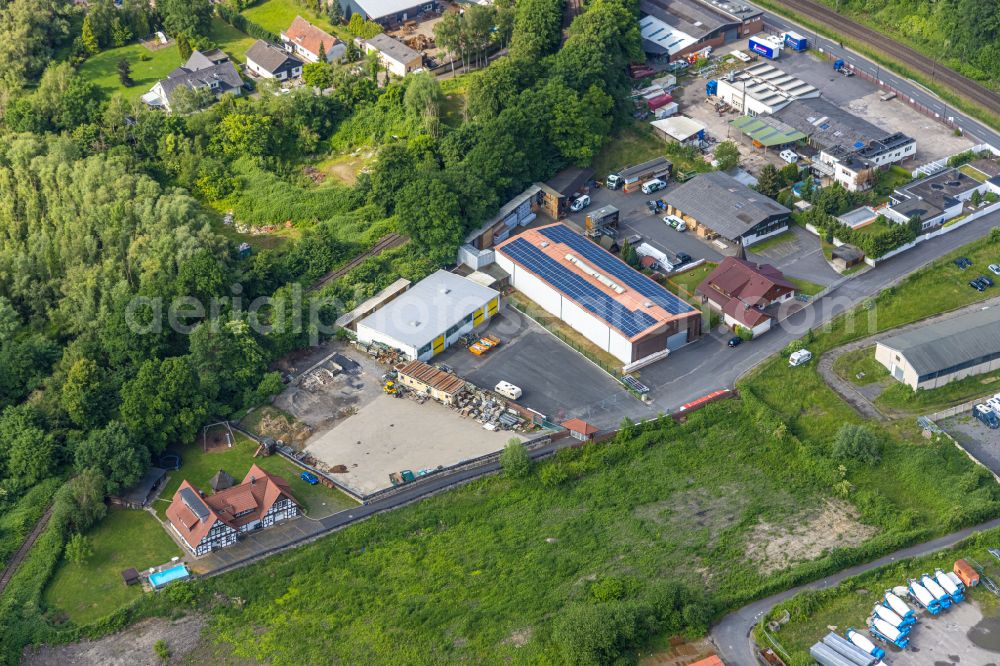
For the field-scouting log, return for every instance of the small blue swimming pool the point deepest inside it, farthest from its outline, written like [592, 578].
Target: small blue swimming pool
[161, 578]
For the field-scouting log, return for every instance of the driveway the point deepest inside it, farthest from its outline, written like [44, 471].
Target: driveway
[801, 256]
[556, 380]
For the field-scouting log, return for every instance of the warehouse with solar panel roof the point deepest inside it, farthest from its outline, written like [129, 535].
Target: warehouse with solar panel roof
[614, 306]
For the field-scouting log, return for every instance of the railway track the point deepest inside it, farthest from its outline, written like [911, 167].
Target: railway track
[22, 552]
[385, 243]
[916, 61]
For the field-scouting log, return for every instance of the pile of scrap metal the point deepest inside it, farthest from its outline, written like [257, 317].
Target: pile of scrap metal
[490, 410]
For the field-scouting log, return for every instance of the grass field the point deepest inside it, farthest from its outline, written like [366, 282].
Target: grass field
[102, 70]
[198, 467]
[860, 361]
[901, 398]
[848, 604]
[277, 15]
[687, 281]
[768, 243]
[125, 538]
[636, 143]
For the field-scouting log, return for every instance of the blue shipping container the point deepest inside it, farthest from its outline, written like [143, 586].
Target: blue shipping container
[796, 41]
[762, 49]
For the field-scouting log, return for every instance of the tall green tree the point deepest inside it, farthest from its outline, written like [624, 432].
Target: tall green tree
[87, 37]
[164, 403]
[85, 394]
[121, 459]
[769, 181]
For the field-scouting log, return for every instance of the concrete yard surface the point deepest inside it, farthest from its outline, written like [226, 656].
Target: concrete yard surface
[959, 636]
[390, 434]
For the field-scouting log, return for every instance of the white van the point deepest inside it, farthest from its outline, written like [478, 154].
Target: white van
[800, 357]
[654, 185]
[508, 390]
[741, 56]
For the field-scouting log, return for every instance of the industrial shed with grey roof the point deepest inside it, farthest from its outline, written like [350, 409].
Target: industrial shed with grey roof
[715, 203]
[938, 353]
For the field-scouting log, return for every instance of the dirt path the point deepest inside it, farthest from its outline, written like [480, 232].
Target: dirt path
[848, 391]
[22, 552]
[132, 647]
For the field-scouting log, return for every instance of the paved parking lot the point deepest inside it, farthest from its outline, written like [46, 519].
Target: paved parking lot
[800, 256]
[959, 636]
[556, 380]
[976, 438]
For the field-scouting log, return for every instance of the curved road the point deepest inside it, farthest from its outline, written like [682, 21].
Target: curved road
[731, 634]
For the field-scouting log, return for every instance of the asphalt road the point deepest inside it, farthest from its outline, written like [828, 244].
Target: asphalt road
[912, 89]
[731, 635]
[708, 364]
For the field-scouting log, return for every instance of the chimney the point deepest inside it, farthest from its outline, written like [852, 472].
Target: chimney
[252, 479]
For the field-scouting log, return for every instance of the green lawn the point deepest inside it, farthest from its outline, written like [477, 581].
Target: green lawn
[901, 398]
[768, 243]
[636, 143]
[125, 538]
[805, 287]
[848, 604]
[102, 68]
[687, 281]
[973, 173]
[860, 362]
[277, 15]
[198, 467]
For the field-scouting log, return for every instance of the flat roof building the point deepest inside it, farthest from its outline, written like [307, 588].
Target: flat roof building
[388, 12]
[827, 125]
[679, 129]
[428, 380]
[945, 351]
[619, 309]
[716, 204]
[762, 89]
[675, 28]
[935, 199]
[431, 315]
[766, 131]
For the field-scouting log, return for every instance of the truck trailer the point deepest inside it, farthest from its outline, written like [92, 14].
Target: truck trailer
[795, 41]
[768, 46]
[848, 650]
[631, 178]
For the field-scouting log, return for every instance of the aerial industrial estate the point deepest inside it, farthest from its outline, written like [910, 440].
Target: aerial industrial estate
[370, 332]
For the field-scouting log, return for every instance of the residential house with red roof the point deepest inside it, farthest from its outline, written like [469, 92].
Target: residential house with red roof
[306, 41]
[209, 522]
[748, 294]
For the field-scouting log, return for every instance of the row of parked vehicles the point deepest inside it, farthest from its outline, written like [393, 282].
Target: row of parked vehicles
[981, 283]
[892, 620]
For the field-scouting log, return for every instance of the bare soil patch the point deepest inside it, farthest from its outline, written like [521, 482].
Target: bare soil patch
[132, 647]
[806, 536]
[270, 421]
[679, 653]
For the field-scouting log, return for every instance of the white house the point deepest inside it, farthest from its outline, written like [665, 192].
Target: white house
[209, 69]
[270, 62]
[306, 40]
[395, 56]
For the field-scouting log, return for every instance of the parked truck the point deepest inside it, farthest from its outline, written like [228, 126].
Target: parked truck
[631, 178]
[887, 614]
[864, 643]
[949, 585]
[893, 601]
[920, 594]
[932, 586]
[399, 478]
[887, 633]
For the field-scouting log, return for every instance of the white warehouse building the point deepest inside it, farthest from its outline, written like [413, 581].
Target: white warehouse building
[431, 315]
[619, 309]
[762, 90]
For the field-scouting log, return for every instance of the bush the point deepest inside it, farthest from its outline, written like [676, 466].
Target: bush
[553, 474]
[514, 460]
[161, 649]
[856, 442]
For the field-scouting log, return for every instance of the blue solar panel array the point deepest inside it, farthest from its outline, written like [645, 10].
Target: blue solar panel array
[587, 295]
[603, 261]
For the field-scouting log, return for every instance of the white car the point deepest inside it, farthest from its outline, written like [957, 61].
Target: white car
[789, 156]
[580, 203]
[994, 268]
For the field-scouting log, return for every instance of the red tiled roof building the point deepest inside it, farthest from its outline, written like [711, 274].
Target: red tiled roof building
[207, 523]
[746, 293]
